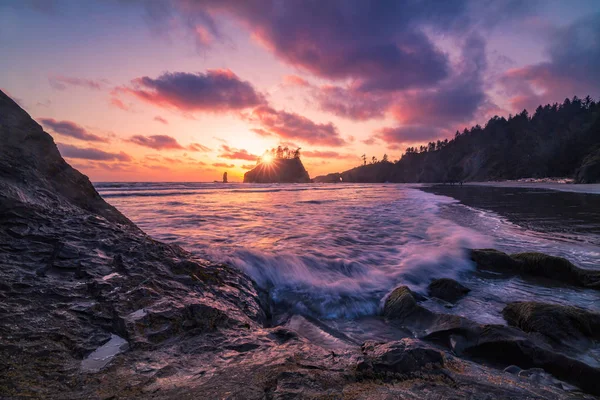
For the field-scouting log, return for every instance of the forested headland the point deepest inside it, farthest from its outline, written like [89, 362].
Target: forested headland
[557, 140]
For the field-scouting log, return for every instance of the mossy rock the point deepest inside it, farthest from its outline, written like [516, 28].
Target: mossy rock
[558, 322]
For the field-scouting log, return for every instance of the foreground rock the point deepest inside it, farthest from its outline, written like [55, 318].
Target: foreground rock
[495, 345]
[78, 281]
[447, 289]
[540, 265]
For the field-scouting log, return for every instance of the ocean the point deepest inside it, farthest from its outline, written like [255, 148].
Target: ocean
[333, 252]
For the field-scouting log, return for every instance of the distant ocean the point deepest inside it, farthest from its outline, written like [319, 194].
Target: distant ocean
[334, 251]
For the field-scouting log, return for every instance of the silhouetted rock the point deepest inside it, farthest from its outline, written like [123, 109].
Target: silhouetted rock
[279, 170]
[447, 289]
[560, 323]
[537, 265]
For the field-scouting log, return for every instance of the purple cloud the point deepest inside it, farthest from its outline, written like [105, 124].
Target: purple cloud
[573, 67]
[236, 154]
[157, 142]
[59, 82]
[293, 126]
[71, 129]
[70, 151]
[160, 119]
[214, 91]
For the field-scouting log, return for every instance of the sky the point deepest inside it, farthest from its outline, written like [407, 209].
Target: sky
[185, 90]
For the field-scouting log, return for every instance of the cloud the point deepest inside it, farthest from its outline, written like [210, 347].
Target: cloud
[573, 67]
[223, 165]
[70, 151]
[370, 141]
[116, 102]
[261, 132]
[454, 100]
[198, 147]
[248, 166]
[59, 82]
[293, 126]
[408, 134]
[350, 103]
[295, 80]
[217, 90]
[327, 154]
[236, 154]
[160, 119]
[379, 44]
[157, 142]
[71, 129]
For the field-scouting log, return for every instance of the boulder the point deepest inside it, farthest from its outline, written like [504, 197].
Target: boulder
[401, 304]
[560, 323]
[447, 289]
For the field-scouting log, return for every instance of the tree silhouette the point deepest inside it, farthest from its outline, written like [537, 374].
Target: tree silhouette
[385, 158]
[364, 158]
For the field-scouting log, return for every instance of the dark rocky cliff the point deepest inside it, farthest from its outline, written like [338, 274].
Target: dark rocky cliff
[280, 170]
[91, 307]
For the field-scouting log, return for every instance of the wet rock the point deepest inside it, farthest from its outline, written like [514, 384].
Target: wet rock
[401, 304]
[406, 357]
[559, 323]
[502, 345]
[447, 289]
[536, 265]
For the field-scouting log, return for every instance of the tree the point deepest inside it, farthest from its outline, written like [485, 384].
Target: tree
[279, 153]
[364, 157]
[297, 153]
[385, 158]
[286, 152]
[373, 160]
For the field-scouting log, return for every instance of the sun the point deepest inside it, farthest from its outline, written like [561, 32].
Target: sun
[267, 158]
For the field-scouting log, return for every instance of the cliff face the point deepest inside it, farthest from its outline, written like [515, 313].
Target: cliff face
[278, 171]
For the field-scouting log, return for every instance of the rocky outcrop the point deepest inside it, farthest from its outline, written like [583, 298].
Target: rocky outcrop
[279, 170]
[538, 265]
[447, 289]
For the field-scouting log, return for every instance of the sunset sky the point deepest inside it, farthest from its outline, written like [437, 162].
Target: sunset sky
[185, 90]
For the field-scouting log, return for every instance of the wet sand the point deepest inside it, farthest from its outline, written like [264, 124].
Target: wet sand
[562, 187]
[572, 213]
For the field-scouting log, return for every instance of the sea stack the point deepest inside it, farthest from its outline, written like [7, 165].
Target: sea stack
[278, 170]
[224, 177]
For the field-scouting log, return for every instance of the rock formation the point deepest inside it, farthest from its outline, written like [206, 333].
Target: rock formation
[91, 307]
[279, 170]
